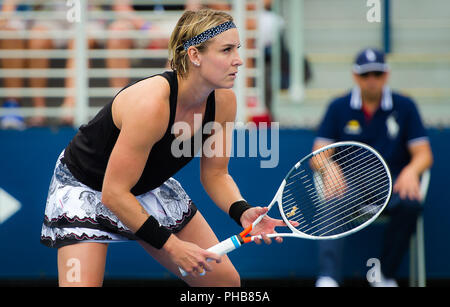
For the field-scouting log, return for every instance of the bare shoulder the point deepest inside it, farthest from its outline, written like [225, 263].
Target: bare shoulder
[145, 104]
[225, 105]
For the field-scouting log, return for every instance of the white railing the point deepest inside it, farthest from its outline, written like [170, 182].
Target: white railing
[84, 108]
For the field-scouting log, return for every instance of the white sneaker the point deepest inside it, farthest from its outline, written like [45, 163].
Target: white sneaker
[326, 282]
[384, 283]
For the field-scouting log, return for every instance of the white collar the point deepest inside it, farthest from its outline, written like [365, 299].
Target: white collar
[386, 100]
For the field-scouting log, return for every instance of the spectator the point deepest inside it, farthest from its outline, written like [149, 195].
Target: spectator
[97, 26]
[40, 27]
[126, 20]
[17, 24]
[373, 114]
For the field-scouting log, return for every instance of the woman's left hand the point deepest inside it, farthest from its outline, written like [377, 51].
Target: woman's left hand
[265, 226]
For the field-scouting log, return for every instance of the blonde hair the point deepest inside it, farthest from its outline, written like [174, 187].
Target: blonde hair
[190, 24]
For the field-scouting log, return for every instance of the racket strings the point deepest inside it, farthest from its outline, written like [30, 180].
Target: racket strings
[326, 168]
[311, 189]
[336, 160]
[354, 205]
[340, 163]
[336, 204]
[371, 170]
[342, 184]
[352, 210]
[354, 178]
[356, 197]
[351, 203]
[359, 190]
[346, 221]
[370, 174]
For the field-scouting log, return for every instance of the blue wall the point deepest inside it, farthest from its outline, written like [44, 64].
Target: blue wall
[26, 163]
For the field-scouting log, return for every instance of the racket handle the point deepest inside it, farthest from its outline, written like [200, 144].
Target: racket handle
[221, 249]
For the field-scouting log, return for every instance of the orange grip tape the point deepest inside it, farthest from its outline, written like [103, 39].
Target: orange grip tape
[247, 239]
[246, 232]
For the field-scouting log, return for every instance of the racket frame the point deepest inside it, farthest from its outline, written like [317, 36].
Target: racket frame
[299, 234]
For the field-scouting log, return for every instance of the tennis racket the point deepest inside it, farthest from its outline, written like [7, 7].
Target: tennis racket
[331, 193]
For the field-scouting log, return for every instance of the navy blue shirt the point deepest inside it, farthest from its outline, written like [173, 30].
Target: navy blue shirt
[392, 129]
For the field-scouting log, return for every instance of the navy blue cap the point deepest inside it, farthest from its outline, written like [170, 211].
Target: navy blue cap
[369, 59]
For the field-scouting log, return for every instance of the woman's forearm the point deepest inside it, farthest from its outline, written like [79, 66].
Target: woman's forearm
[126, 207]
[222, 189]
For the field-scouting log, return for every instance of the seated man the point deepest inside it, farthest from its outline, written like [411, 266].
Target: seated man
[373, 114]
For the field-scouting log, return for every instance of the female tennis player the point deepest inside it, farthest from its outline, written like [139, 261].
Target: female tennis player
[113, 181]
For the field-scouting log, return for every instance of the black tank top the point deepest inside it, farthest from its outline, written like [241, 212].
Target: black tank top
[88, 153]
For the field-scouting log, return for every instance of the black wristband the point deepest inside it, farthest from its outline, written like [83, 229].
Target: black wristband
[153, 233]
[237, 209]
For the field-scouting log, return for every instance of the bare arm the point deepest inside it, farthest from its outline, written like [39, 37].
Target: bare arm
[333, 183]
[125, 10]
[408, 181]
[9, 6]
[143, 122]
[215, 178]
[317, 164]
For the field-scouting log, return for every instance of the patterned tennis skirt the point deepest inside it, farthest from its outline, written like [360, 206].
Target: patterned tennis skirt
[74, 212]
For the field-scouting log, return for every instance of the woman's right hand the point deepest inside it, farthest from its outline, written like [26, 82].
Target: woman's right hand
[189, 256]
